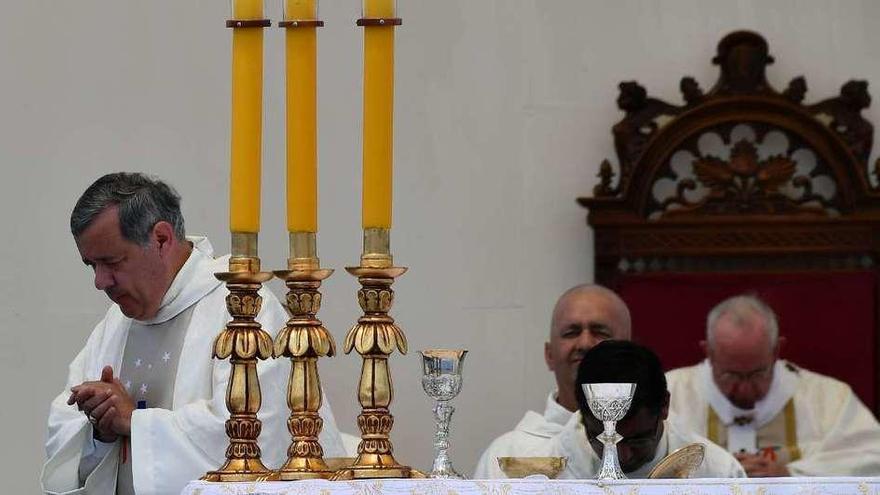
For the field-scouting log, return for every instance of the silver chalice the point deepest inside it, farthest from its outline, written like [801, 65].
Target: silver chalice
[609, 403]
[441, 379]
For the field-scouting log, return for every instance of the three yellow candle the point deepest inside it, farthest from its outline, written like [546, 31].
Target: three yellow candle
[247, 115]
[301, 53]
[302, 134]
[378, 116]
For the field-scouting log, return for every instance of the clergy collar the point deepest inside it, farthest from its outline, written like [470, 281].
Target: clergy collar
[550, 423]
[193, 281]
[554, 412]
[782, 388]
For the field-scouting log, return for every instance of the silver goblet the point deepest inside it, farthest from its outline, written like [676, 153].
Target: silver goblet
[441, 379]
[609, 403]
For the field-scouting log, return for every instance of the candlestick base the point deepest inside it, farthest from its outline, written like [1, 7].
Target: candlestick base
[374, 337]
[241, 470]
[382, 471]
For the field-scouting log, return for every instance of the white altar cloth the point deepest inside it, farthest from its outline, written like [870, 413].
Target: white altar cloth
[543, 486]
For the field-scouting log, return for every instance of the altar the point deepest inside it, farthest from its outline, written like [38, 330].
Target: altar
[543, 486]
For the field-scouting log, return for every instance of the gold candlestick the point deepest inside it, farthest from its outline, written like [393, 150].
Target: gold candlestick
[304, 340]
[244, 342]
[374, 337]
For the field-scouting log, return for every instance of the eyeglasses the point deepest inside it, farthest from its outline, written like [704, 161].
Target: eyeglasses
[746, 377]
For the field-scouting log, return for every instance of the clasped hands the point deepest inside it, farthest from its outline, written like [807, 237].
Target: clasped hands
[760, 465]
[107, 405]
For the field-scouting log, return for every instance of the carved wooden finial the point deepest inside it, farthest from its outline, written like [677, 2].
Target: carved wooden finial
[690, 90]
[743, 57]
[605, 175]
[845, 111]
[796, 90]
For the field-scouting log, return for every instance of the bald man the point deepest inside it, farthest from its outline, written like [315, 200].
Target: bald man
[778, 419]
[583, 316]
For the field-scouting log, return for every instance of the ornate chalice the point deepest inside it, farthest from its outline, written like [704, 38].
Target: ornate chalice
[609, 403]
[441, 379]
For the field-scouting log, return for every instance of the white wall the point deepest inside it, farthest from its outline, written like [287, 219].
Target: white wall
[503, 114]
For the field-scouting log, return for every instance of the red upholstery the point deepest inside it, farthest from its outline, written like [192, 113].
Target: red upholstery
[828, 319]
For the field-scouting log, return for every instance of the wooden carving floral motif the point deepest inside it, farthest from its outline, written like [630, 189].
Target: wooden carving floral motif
[770, 175]
[745, 181]
[739, 161]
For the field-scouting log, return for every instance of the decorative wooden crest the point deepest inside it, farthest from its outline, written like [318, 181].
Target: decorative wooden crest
[740, 169]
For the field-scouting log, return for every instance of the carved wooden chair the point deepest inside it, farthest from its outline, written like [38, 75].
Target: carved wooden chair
[745, 189]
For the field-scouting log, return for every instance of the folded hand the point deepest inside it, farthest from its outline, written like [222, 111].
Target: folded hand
[758, 466]
[107, 405]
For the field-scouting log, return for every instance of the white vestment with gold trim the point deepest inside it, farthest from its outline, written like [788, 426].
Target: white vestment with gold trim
[834, 433]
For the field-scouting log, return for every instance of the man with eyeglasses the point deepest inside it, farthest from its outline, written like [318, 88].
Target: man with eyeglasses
[778, 419]
[648, 436]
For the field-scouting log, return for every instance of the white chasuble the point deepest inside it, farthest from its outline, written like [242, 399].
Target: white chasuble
[530, 437]
[812, 423]
[171, 446]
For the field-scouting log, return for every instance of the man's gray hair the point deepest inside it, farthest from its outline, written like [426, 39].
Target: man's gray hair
[740, 308]
[143, 202]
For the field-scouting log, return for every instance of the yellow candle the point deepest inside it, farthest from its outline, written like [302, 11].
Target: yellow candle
[299, 9]
[247, 106]
[247, 9]
[302, 134]
[378, 8]
[378, 116]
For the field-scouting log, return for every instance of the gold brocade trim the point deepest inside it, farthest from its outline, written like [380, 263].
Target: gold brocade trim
[794, 452]
[791, 445]
[712, 422]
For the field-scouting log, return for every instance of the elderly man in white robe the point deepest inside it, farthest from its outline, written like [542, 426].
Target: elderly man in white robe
[777, 418]
[648, 436]
[144, 409]
[583, 316]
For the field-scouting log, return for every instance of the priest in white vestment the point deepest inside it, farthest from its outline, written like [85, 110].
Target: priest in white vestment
[583, 316]
[144, 408]
[777, 418]
[648, 435]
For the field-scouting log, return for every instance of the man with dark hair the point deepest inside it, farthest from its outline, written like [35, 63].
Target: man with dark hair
[648, 436]
[777, 418]
[583, 316]
[144, 409]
